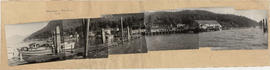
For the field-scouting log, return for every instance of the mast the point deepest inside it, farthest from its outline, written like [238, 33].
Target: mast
[86, 37]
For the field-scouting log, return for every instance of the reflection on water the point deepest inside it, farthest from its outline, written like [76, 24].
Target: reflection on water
[133, 46]
[172, 41]
[244, 38]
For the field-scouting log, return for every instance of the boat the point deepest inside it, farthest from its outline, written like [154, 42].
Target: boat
[45, 52]
[35, 53]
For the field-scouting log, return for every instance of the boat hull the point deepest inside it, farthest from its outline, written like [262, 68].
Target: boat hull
[39, 55]
[40, 58]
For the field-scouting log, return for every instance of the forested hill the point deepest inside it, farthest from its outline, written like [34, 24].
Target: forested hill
[188, 16]
[67, 25]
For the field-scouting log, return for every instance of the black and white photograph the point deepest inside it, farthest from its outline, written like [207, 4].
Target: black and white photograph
[239, 30]
[127, 33]
[174, 29]
[55, 40]
[122, 32]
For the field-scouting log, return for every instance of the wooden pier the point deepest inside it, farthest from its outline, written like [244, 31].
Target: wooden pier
[164, 32]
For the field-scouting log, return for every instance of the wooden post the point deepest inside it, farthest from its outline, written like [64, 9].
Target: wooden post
[265, 26]
[58, 39]
[103, 35]
[266, 23]
[128, 33]
[71, 49]
[122, 30]
[20, 54]
[263, 23]
[77, 37]
[140, 32]
[86, 38]
[54, 43]
[140, 29]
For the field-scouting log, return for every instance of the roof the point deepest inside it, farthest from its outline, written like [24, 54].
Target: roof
[206, 21]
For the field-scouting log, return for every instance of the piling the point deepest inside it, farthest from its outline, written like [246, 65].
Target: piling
[86, 38]
[54, 43]
[20, 54]
[265, 26]
[122, 30]
[128, 33]
[58, 39]
[103, 36]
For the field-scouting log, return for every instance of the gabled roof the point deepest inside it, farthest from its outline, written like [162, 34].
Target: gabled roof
[206, 21]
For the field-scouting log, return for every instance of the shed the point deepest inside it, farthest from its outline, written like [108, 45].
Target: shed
[208, 24]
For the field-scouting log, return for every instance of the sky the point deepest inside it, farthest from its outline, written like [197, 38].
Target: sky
[29, 28]
[220, 10]
[23, 30]
[256, 15]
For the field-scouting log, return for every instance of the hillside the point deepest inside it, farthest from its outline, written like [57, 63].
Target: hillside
[188, 16]
[68, 25]
[133, 20]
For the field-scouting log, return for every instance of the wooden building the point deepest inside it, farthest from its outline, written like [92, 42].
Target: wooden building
[207, 25]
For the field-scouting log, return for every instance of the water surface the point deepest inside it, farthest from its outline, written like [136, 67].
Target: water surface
[172, 41]
[242, 38]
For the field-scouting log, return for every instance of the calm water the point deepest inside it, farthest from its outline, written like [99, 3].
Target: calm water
[172, 41]
[132, 46]
[244, 38]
